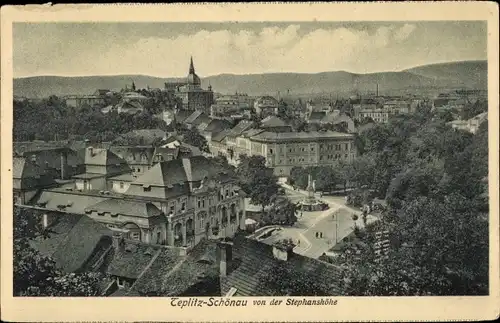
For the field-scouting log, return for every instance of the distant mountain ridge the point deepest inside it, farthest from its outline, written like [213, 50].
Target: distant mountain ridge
[469, 74]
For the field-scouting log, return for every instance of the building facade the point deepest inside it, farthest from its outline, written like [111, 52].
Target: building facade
[283, 151]
[192, 95]
[266, 106]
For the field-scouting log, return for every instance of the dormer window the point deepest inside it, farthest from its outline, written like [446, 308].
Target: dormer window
[146, 188]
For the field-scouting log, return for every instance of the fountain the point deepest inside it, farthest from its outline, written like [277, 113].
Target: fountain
[310, 203]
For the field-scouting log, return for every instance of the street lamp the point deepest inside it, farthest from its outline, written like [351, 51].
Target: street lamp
[336, 228]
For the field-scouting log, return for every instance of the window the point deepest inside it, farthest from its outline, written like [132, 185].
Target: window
[345, 155]
[270, 151]
[147, 189]
[138, 170]
[120, 282]
[312, 148]
[199, 203]
[183, 207]
[135, 235]
[227, 193]
[203, 203]
[346, 146]
[172, 208]
[121, 184]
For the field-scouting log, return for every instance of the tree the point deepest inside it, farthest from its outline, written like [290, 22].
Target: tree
[257, 180]
[283, 280]
[282, 211]
[437, 248]
[194, 138]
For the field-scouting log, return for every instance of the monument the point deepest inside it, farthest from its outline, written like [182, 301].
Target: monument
[310, 202]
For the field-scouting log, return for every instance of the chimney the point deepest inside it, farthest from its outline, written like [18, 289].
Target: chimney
[118, 242]
[64, 164]
[283, 250]
[45, 221]
[224, 257]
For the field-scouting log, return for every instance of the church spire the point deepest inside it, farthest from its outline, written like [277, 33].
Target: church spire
[191, 66]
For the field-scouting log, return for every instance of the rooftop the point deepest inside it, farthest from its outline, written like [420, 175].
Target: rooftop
[126, 207]
[72, 239]
[291, 136]
[254, 261]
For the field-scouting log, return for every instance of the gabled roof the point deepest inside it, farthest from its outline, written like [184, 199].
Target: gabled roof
[23, 168]
[217, 125]
[173, 275]
[72, 240]
[272, 121]
[254, 260]
[180, 171]
[219, 136]
[132, 258]
[197, 118]
[102, 157]
[134, 154]
[243, 125]
[182, 115]
[126, 207]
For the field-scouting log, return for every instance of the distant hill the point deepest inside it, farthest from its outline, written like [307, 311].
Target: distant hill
[471, 74]
[467, 73]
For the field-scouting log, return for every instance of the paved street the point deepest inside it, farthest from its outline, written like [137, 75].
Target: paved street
[323, 222]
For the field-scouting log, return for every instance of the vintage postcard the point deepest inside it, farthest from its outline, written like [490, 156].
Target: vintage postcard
[250, 162]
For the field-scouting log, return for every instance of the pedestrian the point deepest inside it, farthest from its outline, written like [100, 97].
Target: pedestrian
[298, 242]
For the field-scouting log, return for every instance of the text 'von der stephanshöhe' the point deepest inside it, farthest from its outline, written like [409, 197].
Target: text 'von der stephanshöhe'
[218, 302]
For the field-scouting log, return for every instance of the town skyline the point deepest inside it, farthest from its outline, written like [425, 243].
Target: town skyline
[102, 49]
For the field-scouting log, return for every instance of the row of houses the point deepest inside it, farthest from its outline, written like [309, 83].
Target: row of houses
[282, 147]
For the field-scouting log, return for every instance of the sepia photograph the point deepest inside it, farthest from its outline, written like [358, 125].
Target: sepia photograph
[212, 162]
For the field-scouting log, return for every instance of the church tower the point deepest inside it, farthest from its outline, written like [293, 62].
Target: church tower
[192, 78]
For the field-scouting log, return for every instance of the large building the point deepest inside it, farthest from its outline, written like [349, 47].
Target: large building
[193, 97]
[266, 106]
[286, 150]
[232, 106]
[174, 199]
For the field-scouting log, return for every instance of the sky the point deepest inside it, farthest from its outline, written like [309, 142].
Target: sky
[164, 49]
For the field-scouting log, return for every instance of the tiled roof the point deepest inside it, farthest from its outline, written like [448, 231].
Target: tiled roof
[254, 260]
[219, 136]
[72, 240]
[272, 136]
[217, 125]
[172, 275]
[135, 155]
[272, 121]
[176, 171]
[126, 207]
[102, 157]
[164, 174]
[23, 168]
[240, 127]
[193, 116]
[132, 258]
[182, 115]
